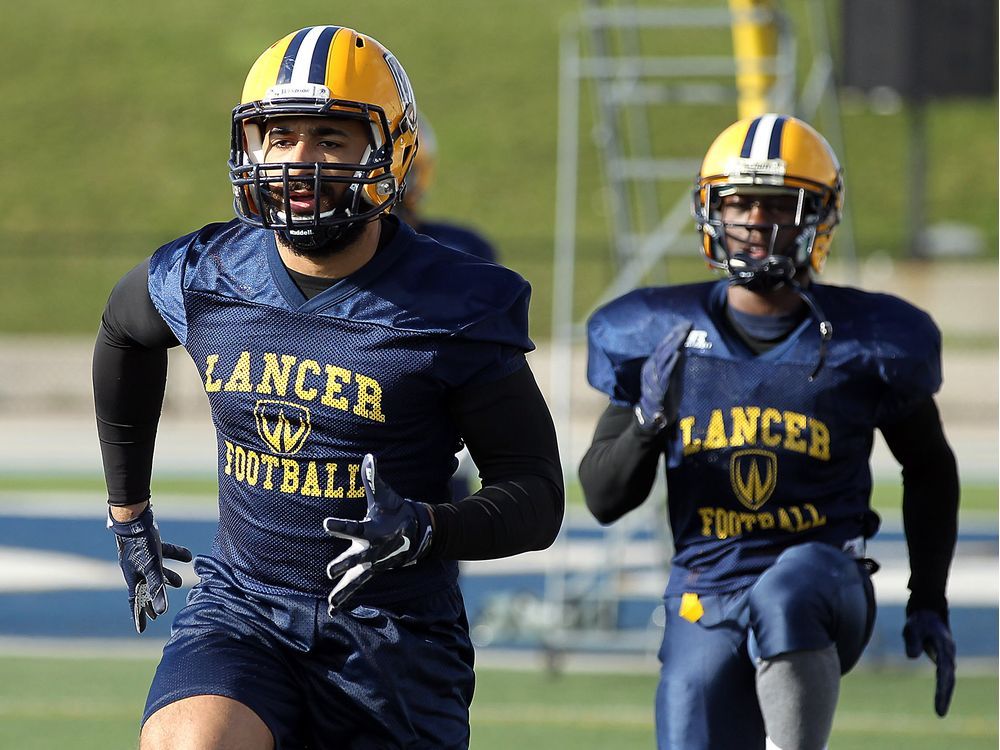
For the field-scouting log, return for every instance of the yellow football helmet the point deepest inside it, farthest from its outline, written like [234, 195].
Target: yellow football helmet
[323, 71]
[763, 156]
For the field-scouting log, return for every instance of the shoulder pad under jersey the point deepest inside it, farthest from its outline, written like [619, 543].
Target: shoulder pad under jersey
[624, 332]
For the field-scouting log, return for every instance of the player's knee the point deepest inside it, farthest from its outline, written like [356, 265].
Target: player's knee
[793, 605]
[205, 722]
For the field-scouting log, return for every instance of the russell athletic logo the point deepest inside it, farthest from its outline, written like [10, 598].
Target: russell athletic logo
[282, 426]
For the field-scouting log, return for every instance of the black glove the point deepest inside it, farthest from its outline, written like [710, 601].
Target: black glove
[394, 532]
[926, 631]
[141, 555]
[657, 405]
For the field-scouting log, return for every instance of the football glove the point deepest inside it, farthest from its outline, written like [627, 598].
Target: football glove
[141, 555]
[926, 631]
[394, 532]
[657, 405]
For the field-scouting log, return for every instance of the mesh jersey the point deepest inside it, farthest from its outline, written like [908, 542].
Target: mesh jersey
[301, 390]
[761, 457]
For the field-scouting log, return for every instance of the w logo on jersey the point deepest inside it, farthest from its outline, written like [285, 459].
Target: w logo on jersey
[753, 474]
[282, 425]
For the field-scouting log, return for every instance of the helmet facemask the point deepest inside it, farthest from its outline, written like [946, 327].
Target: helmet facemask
[264, 191]
[798, 215]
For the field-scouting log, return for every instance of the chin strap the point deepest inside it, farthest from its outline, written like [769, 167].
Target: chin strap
[825, 326]
[773, 272]
[312, 238]
[760, 275]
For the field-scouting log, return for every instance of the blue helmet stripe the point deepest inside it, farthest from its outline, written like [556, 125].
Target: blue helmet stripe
[288, 61]
[317, 67]
[748, 141]
[774, 147]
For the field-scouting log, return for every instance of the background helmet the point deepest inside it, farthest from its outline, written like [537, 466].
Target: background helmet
[771, 154]
[421, 175]
[326, 71]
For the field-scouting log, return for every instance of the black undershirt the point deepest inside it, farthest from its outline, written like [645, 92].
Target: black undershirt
[505, 424]
[619, 468]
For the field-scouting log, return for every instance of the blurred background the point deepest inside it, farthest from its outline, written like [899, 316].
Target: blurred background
[568, 133]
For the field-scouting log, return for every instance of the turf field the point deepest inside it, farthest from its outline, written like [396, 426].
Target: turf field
[91, 704]
[886, 496]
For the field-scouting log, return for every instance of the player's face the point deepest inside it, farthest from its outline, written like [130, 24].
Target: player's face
[761, 224]
[326, 140]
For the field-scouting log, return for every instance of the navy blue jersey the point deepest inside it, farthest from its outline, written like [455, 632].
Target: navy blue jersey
[459, 238]
[761, 457]
[301, 390]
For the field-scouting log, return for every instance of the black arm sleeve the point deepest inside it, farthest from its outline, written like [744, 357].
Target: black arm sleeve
[130, 374]
[618, 470]
[930, 503]
[508, 429]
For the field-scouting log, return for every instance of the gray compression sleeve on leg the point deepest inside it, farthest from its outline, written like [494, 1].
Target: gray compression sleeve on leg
[798, 694]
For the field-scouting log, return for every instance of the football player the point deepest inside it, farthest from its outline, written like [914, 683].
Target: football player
[763, 391]
[344, 358]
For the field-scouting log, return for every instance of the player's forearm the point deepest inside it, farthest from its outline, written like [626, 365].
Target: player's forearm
[503, 518]
[508, 429]
[930, 503]
[128, 393]
[930, 521]
[618, 470]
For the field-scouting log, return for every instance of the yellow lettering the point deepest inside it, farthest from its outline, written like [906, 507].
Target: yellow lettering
[745, 425]
[289, 475]
[721, 529]
[817, 519]
[725, 524]
[794, 424]
[240, 379]
[336, 377]
[369, 403]
[784, 522]
[306, 394]
[354, 489]
[707, 514]
[331, 490]
[271, 462]
[240, 464]
[253, 467]
[212, 385]
[715, 435]
[767, 418]
[819, 443]
[274, 376]
[691, 444]
[310, 487]
[800, 522]
[229, 458]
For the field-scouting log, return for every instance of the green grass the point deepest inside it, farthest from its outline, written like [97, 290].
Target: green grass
[886, 497]
[120, 115]
[92, 703]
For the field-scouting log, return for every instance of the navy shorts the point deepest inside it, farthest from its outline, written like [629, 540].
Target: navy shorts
[398, 675]
[813, 596]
